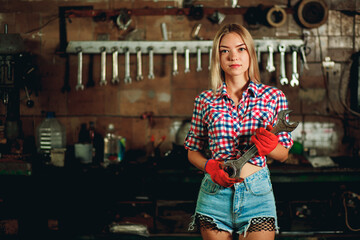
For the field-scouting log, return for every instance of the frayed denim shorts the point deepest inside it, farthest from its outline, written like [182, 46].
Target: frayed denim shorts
[232, 209]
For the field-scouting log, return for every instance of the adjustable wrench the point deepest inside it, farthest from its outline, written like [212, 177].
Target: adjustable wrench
[283, 78]
[151, 63]
[294, 76]
[270, 62]
[80, 85]
[115, 66]
[233, 167]
[103, 67]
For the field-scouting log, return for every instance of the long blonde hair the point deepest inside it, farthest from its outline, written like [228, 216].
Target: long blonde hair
[216, 73]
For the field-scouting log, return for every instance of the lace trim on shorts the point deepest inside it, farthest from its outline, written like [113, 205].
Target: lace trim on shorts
[204, 222]
[256, 224]
[262, 224]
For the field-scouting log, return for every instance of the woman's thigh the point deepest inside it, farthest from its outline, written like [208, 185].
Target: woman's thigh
[210, 234]
[262, 235]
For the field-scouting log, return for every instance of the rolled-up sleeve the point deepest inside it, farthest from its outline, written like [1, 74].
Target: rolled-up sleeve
[197, 135]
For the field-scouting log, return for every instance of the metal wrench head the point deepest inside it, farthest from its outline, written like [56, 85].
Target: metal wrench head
[284, 81]
[282, 125]
[79, 87]
[294, 81]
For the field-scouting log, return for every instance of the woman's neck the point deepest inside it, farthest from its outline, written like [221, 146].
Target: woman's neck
[236, 87]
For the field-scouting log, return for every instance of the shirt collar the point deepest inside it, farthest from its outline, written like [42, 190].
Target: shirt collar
[252, 90]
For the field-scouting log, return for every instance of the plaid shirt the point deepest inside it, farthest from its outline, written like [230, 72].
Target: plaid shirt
[227, 129]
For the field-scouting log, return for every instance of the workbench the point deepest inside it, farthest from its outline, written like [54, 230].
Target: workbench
[83, 200]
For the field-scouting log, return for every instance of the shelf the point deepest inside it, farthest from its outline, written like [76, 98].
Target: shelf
[166, 47]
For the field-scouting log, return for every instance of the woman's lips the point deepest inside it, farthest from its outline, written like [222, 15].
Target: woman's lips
[235, 65]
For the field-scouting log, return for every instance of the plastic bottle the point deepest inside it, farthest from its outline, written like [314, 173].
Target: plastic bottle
[114, 146]
[50, 134]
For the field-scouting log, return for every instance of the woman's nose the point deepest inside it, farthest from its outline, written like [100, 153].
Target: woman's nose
[233, 55]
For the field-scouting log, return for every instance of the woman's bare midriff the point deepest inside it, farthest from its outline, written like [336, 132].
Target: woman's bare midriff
[249, 169]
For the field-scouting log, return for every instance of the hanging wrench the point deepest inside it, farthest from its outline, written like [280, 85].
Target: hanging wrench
[139, 75]
[233, 167]
[80, 85]
[187, 60]
[103, 67]
[115, 66]
[283, 78]
[303, 56]
[210, 55]
[198, 52]
[127, 78]
[151, 63]
[294, 76]
[175, 63]
[270, 62]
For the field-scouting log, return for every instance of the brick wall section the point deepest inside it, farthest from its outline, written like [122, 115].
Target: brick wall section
[169, 97]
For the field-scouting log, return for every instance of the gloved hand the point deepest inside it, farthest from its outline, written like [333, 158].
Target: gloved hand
[264, 140]
[218, 175]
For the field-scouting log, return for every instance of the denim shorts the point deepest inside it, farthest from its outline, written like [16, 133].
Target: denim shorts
[232, 209]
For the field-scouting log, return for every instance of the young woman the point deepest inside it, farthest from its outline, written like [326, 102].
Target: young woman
[237, 112]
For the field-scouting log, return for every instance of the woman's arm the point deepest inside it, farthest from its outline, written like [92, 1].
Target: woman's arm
[280, 153]
[197, 159]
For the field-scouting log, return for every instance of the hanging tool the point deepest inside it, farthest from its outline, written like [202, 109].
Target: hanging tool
[80, 85]
[270, 62]
[164, 31]
[115, 66]
[139, 75]
[103, 67]
[151, 63]
[302, 49]
[127, 78]
[195, 32]
[233, 167]
[187, 60]
[123, 20]
[283, 78]
[198, 54]
[294, 76]
[175, 63]
[29, 102]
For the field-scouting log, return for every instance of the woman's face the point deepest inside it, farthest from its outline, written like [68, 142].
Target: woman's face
[234, 57]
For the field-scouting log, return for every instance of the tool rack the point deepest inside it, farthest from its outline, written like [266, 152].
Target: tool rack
[166, 47]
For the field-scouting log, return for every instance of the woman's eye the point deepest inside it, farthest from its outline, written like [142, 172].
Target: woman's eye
[224, 51]
[242, 49]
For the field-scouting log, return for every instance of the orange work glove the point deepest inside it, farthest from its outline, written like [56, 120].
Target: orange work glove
[264, 140]
[218, 175]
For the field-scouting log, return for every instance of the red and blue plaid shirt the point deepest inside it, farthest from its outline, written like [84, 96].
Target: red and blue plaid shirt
[227, 129]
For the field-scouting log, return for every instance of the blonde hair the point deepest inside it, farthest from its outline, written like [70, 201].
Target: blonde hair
[216, 73]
